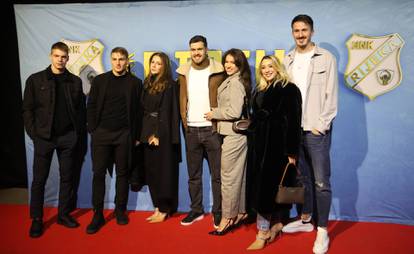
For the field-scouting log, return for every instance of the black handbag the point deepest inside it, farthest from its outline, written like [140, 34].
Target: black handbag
[289, 195]
[242, 126]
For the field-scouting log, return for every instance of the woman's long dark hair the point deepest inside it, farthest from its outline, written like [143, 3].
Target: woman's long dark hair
[241, 62]
[158, 83]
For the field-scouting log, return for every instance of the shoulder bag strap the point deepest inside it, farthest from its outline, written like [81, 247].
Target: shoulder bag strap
[284, 173]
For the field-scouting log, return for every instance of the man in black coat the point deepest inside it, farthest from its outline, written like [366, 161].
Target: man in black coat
[54, 116]
[114, 122]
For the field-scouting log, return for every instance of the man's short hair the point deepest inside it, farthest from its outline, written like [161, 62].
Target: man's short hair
[61, 46]
[198, 38]
[303, 18]
[121, 51]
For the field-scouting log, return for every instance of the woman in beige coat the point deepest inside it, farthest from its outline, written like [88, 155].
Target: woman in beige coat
[231, 96]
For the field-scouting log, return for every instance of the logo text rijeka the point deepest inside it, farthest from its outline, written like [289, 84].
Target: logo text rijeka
[373, 65]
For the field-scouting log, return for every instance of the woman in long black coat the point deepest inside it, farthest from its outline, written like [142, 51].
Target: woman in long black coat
[276, 136]
[160, 137]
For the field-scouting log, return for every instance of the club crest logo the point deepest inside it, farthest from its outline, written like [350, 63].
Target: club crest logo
[85, 60]
[373, 64]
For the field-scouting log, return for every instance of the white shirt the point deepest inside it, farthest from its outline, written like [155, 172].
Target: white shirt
[198, 97]
[300, 70]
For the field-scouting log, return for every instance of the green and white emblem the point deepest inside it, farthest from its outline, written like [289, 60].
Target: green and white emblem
[85, 60]
[373, 64]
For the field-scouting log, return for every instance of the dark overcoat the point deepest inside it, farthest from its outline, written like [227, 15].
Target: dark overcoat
[276, 134]
[162, 119]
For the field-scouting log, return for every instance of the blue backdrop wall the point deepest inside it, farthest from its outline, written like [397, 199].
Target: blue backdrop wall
[372, 148]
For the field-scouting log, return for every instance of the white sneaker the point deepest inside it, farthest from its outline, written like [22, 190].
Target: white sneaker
[298, 226]
[322, 241]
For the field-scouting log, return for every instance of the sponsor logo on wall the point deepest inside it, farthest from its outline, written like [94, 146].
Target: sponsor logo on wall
[373, 64]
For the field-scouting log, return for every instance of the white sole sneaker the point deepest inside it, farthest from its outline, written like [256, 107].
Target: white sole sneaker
[321, 243]
[189, 223]
[298, 226]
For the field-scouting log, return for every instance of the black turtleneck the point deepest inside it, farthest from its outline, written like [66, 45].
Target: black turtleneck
[61, 120]
[114, 113]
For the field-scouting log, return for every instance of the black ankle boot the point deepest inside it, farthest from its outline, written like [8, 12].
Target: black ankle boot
[97, 222]
[121, 217]
[36, 230]
[67, 221]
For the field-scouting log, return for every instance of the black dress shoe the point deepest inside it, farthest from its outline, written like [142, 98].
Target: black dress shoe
[229, 227]
[97, 222]
[36, 230]
[240, 221]
[67, 221]
[121, 218]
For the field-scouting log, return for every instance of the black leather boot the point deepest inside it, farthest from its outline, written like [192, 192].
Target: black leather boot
[36, 230]
[97, 222]
[67, 221]
[121, 217]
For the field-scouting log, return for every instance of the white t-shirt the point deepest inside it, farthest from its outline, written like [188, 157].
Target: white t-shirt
[300, 72]
[198, 97]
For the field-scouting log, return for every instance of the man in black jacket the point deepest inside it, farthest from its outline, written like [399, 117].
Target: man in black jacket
[54, 114]
[114, 122]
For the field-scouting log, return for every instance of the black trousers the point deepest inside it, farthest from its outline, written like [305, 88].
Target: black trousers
[110, 147]
[43, 153]
[201, 142]
[79, 157]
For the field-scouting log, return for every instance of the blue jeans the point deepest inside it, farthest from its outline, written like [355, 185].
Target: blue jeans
[263, 222]
[315, 168]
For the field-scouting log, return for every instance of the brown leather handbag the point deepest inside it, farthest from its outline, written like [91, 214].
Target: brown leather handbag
[241, 126]
[289, 195]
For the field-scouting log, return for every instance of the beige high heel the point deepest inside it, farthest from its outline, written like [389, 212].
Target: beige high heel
[160, 217]
[262, 238]
[276, 230]
[156, 212]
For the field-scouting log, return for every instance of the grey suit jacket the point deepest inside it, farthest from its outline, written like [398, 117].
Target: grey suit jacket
[230, 97]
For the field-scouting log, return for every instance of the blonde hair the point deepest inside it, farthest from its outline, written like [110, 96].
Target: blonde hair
[281, 74]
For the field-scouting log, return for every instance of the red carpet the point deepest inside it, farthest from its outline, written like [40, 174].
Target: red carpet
[170, 237]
